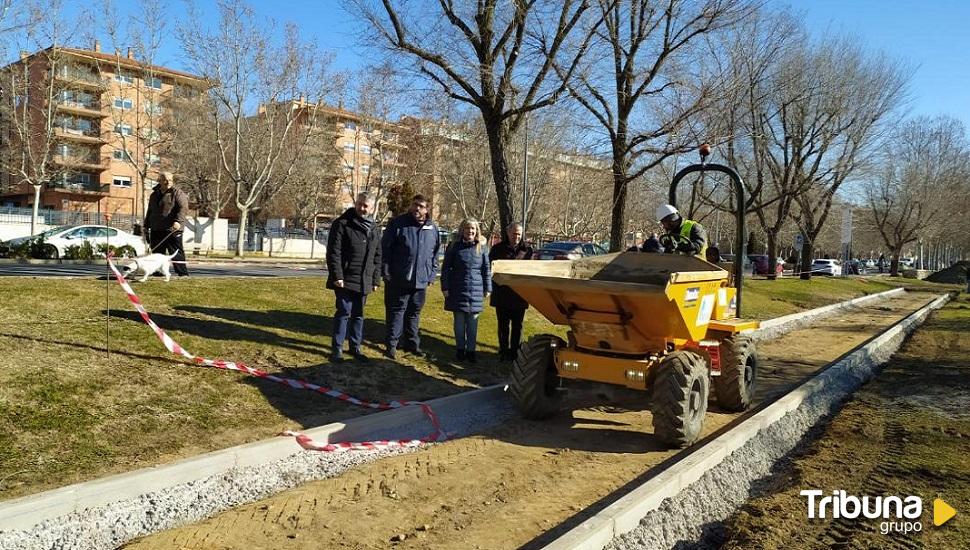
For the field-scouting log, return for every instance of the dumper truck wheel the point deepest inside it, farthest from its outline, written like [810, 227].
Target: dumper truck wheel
[534, 378]
[679, 398]
[739, 373]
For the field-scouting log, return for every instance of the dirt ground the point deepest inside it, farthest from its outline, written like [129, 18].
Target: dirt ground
[519, 484]
[905, 433]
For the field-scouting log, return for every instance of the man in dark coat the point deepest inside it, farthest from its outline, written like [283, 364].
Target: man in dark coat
[165, 220]
[509, 306]
[353, 266]
[409, 249]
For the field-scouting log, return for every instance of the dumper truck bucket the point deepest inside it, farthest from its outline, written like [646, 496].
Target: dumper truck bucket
[629, 302]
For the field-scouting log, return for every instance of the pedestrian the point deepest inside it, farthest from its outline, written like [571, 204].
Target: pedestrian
[881, 263]
[509, 306]
[682, 235]
[353, 272]
[466, 281]
[409, 264]
[165, 221]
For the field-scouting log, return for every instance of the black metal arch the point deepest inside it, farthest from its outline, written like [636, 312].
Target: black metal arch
[739, 214]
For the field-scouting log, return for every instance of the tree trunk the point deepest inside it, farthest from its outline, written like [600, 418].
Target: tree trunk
[772, 238]
[618, 211]
[806, 267]
[212, 235]
[241, 235]
[500, 173]
[894, 261]
[35, 216]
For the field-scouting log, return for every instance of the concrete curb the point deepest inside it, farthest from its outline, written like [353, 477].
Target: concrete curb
[710, 483]
[772, 328]
[99, 497]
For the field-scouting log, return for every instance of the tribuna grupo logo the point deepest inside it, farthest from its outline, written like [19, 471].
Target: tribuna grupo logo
[898, 514]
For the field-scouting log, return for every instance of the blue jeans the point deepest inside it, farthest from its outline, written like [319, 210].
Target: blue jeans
[466, 330]
[403, 309]
[350, 307]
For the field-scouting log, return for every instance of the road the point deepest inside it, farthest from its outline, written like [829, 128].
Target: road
[196, 269]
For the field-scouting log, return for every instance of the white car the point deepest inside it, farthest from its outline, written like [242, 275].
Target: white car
[826, 266]
[74, 235]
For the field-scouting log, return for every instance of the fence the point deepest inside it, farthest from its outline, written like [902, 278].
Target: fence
[54, 218]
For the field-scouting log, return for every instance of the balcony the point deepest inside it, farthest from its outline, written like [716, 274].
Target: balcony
[82, 109]
[92, 162]
[81, 136]
[79, 186]
[81, 79]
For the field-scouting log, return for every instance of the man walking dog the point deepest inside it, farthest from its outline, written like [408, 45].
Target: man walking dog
[165, 220]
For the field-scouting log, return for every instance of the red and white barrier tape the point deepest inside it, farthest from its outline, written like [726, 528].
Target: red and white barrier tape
[304, 440]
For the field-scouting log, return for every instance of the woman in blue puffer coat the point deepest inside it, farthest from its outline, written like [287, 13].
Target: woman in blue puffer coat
[466, 280]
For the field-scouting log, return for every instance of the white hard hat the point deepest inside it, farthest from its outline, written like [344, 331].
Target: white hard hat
[665, 211]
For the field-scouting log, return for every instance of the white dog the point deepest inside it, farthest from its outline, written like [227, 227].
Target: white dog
[149, 264]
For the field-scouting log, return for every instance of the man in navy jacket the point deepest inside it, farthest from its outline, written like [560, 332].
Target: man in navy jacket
[409, 264]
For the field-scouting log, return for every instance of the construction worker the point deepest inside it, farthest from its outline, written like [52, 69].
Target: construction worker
[682, 235]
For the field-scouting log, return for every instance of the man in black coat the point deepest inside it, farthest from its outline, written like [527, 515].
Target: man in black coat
[509, 306]
[165, 221]
[354, 269]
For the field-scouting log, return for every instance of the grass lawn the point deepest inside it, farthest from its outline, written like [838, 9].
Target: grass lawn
[70, 412]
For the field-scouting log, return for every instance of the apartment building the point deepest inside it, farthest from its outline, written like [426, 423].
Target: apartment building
[99, 123]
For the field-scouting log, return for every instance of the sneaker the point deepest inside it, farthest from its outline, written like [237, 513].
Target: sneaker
[390, 353]
[460, 355]
[470, 355]
[417, 352]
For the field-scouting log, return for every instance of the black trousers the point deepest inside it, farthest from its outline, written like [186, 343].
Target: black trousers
[403, 311]
[164, 242]
[507, 317]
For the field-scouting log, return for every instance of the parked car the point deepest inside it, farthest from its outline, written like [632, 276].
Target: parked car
[60, 238]
[568, 250]
[826, 266]
[759, 263]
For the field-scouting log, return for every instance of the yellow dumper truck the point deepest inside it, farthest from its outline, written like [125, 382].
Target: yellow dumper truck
[662, 323]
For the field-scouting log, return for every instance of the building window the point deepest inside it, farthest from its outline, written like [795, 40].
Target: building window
[123, 103]
[365, 149]
[349, 147]
[153, 109]
[154, 82]
[121, 181]
[364, 169]
[350, 126]
[124, 78]
[151, 159]
[120, 154]
[123, 129]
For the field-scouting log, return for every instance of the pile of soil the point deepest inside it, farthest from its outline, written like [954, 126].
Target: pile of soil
[955, 274]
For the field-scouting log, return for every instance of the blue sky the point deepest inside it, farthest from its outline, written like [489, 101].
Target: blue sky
[932, 35]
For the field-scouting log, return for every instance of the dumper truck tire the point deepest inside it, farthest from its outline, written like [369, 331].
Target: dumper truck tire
[739, 373]
[679, 398]
[534, 378]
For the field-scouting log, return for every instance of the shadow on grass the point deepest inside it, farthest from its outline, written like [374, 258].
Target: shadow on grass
[379, 379]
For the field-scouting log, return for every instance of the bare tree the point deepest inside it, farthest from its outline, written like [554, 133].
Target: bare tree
[142, 110]
[378, 99]
[923, 173]
[31, 91]
[494, 56]
[266, 96]
[767, 85]
[643, 86]
[836, 125]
